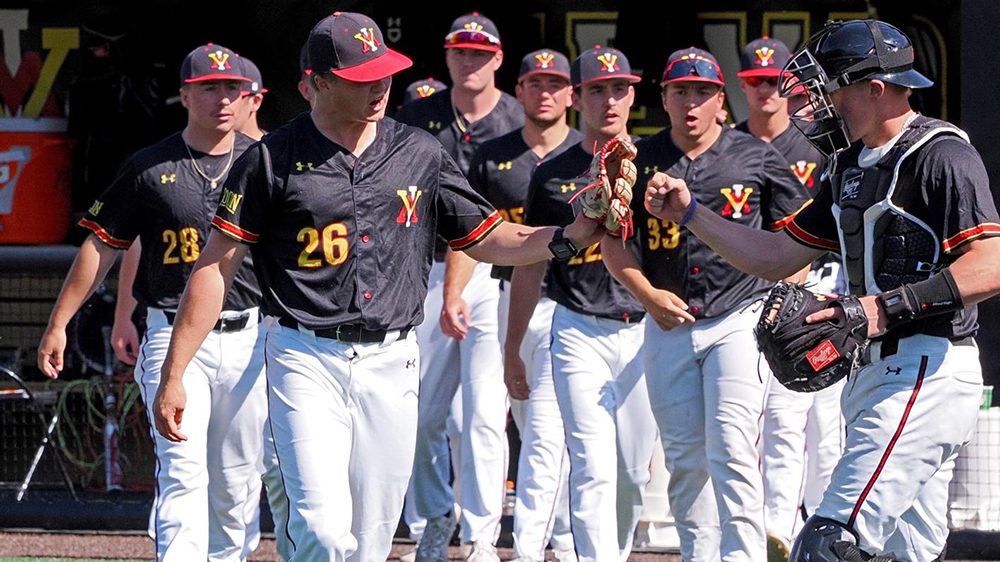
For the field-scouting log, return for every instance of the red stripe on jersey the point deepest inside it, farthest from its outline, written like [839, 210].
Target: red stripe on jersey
[782, 223]
[892, 442]
[234, 231]
[117, 243]
[969, 234]
[478, 233]
[810, 240]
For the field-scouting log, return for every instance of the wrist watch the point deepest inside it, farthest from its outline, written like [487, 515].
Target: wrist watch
[562, 248]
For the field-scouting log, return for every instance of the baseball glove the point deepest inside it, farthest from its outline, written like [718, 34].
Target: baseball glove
[810, 357]
[607, 199]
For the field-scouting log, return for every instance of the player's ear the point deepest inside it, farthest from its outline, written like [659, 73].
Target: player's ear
[876, 88]
[497, 60]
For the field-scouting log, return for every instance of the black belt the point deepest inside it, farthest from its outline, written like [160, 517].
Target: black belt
[224, 325]
[347, 333]
[890, 346]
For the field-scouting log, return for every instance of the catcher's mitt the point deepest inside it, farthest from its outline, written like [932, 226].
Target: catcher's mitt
[810, 357]
[607, 199]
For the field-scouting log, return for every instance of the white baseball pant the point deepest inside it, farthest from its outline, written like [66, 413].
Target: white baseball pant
[204, 484]
[610, 432]
[706, 385]
[343, 418]
[474, 366]
[907, 415]
[541, 506]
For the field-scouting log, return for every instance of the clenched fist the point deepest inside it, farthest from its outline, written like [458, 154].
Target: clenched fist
[667, 197]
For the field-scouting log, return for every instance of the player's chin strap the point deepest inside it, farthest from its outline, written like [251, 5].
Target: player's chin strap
[826, 540]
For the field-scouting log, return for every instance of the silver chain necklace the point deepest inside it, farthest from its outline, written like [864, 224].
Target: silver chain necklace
[213, 182]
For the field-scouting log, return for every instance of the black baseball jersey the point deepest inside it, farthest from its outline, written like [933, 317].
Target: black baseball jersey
[944, 185]
[583, 283]
[501, 170]
[805, 161]
[742, 179]
[339, 239]
[461, 139]
[160, 198]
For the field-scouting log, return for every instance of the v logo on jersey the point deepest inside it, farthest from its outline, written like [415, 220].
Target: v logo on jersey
[804, 171]
[408, 214]
[369, 42]
[737, 200]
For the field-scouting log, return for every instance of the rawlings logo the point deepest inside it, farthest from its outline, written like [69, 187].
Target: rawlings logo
[765, 56]
[804, 171]
[851, 186]
[737, 200]
[220, 60]
[822, 356]
[544, 59]
[408, 214]
[369, 42]
[609, 62]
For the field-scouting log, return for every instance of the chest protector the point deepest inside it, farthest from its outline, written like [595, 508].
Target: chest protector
[884, 241]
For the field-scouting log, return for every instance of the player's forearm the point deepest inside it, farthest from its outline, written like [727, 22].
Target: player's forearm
[125, 303]
[514, 244]
[977, 271]
[458, 268]
[625, 268]
[525, 291]
[90, 267]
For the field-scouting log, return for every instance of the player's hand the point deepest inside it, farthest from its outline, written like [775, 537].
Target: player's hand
[584, 232]
[515, 376]
[667, 198]
[666, 309]
[454, 317]
[125, 341]
[168, 409]
[877, 321]
[50, 352]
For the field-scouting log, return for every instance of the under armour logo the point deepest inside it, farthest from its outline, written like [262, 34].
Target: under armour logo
[299, 166]
[412, 363]
[893, 370]
[504, 165]
[434, 125]
[568, 187]
[651, 169]
[168, 178]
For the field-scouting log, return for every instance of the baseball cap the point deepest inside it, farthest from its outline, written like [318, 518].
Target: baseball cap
[350, 45]
[211, 62]
[473, 31]
[422, 89]
[544, 61]
[692, 65]
[601, 63]
[250, 70]
[763, 57]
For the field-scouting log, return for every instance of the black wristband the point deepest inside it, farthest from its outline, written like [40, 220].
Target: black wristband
[936, 295]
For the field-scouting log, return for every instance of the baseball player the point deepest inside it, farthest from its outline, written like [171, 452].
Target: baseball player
[462, 348]
[162, 197]
[700, 354]
[341, 208]
[501, 170]
[802, 432]
[596, 329]
[909, 209]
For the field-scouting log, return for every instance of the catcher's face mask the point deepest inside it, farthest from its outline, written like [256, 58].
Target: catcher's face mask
[817, 118]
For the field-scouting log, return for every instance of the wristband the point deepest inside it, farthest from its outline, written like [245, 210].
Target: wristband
[936, 295]
[690, 212]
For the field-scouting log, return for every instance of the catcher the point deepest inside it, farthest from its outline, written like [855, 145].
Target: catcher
[699, 353]
[910, 211]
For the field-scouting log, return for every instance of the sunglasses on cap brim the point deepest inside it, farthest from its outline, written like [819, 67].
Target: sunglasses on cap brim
[754, 81]
[466, 36]
[693, 67]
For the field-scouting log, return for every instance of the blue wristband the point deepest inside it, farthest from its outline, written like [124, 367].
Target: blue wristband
[690, 212]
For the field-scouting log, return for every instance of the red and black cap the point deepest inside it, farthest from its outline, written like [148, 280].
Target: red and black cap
[544, 61]
[692, 65]
[763, 57]
[350, 45]
[422, 89]
[601, 63]
[473, 31]
[211, 62]
[250, 70]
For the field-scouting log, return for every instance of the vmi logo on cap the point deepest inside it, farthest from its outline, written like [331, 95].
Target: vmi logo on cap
[609, 62]
[765, 56]
[220, 59]
[368, 40]
[544, 59]
[425, 90]
[473, 26]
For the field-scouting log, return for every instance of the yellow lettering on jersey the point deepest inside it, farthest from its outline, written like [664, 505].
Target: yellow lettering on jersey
[168, 178]
[301, 167]
[514, 214]
[434, 125]
[663, 234]
[95, 208]
[505, 165]
[590, 255]
[231, 201]
[571, 186]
